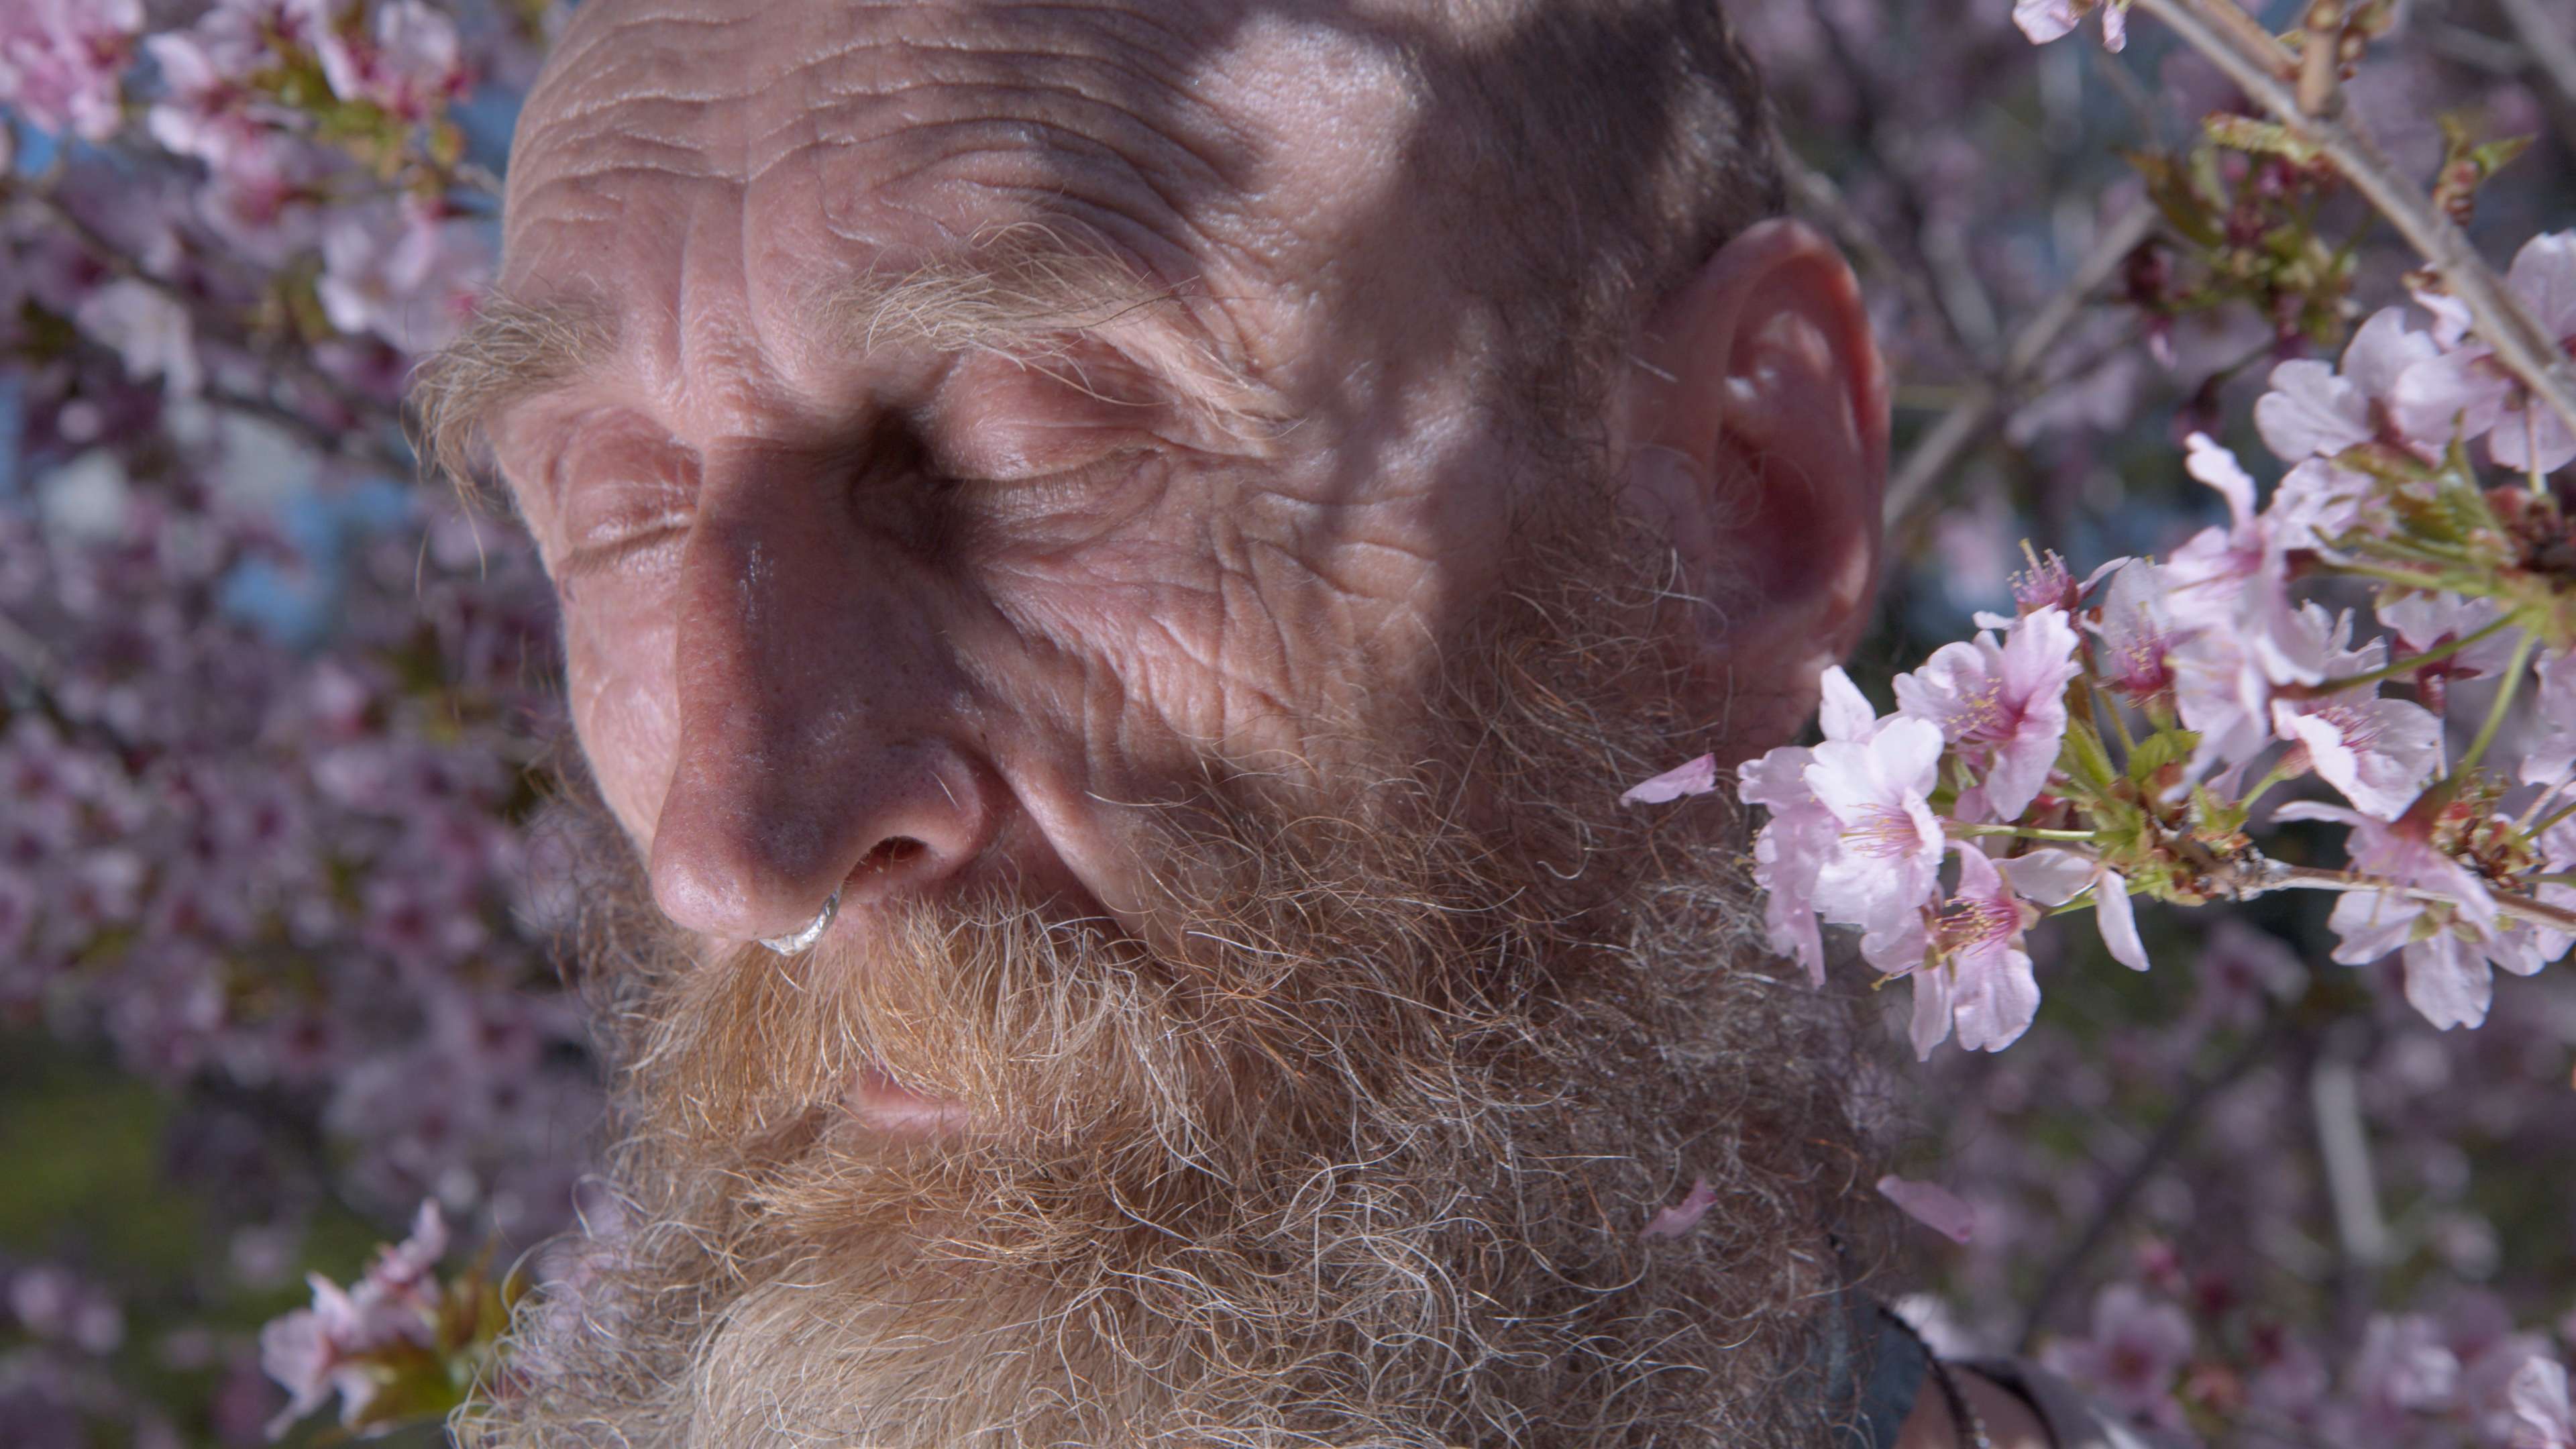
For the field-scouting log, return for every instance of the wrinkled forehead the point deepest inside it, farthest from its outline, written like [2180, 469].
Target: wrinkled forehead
[794, 138]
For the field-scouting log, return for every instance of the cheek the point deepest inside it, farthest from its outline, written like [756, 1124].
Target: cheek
[1248, 631]
[618, 677]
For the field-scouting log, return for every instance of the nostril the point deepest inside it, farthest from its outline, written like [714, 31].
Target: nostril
[890, 854]
[895, 863]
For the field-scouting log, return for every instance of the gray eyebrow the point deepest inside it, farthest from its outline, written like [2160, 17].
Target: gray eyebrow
[510, 352]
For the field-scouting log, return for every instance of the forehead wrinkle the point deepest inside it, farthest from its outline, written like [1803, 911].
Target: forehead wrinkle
[1026, 288]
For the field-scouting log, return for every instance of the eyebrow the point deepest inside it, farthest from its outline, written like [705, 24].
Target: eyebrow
[1020, 290]
[511, 351]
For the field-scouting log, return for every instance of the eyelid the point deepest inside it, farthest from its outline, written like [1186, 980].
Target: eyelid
[615, 521]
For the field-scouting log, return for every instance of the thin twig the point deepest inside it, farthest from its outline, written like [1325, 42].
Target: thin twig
[2170, 1136]
[2216, 28]
[2545, 44]
[2275, 876]
[1819, 197]
[2321, 37]
[1968, 421]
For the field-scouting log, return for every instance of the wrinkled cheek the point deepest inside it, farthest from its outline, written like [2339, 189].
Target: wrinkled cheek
[619, 683]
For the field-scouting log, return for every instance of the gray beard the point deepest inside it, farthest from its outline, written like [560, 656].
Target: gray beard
[1355, 1153]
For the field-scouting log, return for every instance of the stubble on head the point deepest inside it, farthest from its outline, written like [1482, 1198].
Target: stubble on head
[1351, 1147]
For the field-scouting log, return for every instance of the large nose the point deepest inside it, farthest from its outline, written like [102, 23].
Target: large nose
[818, 731]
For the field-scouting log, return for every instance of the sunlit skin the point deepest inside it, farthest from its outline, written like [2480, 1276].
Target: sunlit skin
[899, 618]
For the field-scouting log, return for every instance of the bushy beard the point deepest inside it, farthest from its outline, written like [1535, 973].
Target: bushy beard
[1353, 1149]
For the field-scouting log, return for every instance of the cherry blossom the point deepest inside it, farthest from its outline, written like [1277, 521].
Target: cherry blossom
[2541, 1419]
[325, 1350]
[2136, 1350]
[2136, 634]
[2236, 578]
[2444, 946]
[2003, 705]
[2380, 753]
[1882, 862]
[2046, 20]
[2405, 1364]
[147, 327]
[2467, 383]
[1792, 849]
[408, 59]
[60, 60]
[207, 109]
[1978, 974]
[402, 273]
[2428, 621]
[2052, 877]
[2317, 503]
[2550, 758]
[2316, 409]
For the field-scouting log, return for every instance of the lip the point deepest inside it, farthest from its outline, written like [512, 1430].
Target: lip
[879, 1103]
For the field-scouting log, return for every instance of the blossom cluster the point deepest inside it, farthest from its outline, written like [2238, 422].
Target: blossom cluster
[273, 721]
[397, 1345]
[2117, 735]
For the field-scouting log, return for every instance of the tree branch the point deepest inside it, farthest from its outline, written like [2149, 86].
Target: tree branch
[2546, 46]
[1968, 421]
[359, 445]
[2171, 1134]
[2216, 28]
[2278, 877]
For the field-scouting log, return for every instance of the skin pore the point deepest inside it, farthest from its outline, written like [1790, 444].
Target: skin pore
[993, 434]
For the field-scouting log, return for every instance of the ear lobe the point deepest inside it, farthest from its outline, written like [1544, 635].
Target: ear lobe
[1759, 438]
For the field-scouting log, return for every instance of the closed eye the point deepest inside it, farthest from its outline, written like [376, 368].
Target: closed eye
[1046, 489]
[621, 525]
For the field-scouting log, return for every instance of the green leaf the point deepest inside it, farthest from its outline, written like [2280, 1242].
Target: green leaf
[2159, 750]
[2214, 817]
[2186, 209]
[2263, 138]
[2085, 758]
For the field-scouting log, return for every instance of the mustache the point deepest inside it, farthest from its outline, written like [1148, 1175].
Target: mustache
[1047, 1025]
[1307, 975]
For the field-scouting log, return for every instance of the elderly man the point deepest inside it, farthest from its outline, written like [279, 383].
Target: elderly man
[1115, 558]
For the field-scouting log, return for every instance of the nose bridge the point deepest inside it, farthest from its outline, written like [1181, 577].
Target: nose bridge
[811, 741]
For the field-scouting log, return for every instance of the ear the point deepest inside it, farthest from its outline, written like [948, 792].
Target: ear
[1757, 419]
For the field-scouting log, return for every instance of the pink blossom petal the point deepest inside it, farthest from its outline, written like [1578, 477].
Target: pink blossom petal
[2461, 391]
[1933, 1008]
[2115, 26]
[2451, 317]
[1843, 711]
[2049, 875]
[2541, 1417]
[2382, 350]
[1695, 778]
[1932, 1205]
[2205, 460]
[2045, 20]
[2543, 276]
[2118, 919]
[1997, 1003]
[2311, 411]
[2531, 437]
[2447, 980]
[2380, 753]
[1681, 1217]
